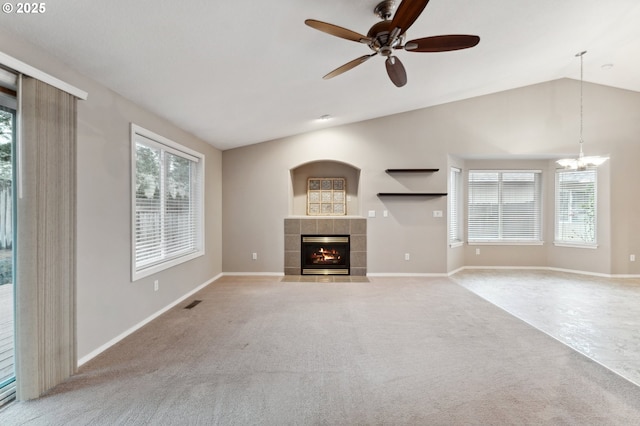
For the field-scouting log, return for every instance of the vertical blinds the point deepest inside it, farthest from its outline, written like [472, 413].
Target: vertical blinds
[167, 203]
[46, 231]
[576, 206]
[505, 206]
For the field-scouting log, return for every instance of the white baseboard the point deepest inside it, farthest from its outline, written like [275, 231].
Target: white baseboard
[253, 274]
[406, 274]
[141, 324]
[488, 268]
[455, 271]
[594, 274]
[547, 268]
[445, 274]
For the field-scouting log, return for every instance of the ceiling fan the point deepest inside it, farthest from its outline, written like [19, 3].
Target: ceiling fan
[388, 35]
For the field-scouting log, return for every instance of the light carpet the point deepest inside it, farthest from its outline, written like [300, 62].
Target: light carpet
[392, 351]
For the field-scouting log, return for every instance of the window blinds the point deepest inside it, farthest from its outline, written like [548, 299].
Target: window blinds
[576, 206]
[505, 206]
[168, 199]
[455, 184]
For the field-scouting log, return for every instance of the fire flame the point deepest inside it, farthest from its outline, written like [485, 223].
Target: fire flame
[325, 256]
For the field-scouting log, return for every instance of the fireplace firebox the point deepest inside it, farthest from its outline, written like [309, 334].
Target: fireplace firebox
[325, 255]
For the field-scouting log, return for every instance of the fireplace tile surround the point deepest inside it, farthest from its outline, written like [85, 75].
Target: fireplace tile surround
[356, 228]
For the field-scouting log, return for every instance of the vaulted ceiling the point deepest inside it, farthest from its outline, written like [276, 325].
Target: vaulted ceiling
[237, 73]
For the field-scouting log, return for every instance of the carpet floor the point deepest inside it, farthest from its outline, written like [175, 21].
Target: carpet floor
[392, 351]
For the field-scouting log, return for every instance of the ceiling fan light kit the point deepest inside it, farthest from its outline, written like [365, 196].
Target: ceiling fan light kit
[581, 162]
[388, 35]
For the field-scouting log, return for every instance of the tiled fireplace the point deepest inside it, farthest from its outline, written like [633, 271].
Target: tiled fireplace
[354, 228]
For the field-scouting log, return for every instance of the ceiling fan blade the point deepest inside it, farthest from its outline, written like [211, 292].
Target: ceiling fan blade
[349, 65]
[443, 43]
[337, 31]
[396, 71]
[407, 13]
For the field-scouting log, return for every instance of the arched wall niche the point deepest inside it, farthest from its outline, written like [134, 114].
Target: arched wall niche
[326, 169]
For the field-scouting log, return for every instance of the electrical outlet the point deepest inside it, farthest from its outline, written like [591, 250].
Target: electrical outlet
[385, 213]
[407, 256]
[477, 251]
[156, 286]
[254, 256]
[632, 257]
[437, 213]
[372, 213]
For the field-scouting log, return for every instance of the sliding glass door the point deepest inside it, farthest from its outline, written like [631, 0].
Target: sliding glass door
[7, 243]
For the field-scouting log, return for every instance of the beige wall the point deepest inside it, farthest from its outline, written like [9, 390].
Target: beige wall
[108, 303]
[522, 128]
[255, 196]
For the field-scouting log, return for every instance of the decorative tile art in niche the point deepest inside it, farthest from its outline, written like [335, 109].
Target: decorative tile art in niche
[326, 197]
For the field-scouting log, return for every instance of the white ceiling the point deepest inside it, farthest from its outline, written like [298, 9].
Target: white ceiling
[236, 72]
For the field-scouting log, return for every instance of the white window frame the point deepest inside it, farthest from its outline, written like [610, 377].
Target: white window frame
[455, 207]
[558, 241]
[502, 240]
[151, 139]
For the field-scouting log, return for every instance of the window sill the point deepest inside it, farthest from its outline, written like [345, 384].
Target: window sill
[153, 269]
[456, 244]
[578, 246]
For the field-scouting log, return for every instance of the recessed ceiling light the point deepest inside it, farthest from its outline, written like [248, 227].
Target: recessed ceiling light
[607, 66]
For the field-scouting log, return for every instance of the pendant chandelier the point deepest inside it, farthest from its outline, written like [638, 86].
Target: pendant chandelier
[581, 162]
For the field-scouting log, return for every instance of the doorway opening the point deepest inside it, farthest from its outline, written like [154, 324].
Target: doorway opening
[8, 116]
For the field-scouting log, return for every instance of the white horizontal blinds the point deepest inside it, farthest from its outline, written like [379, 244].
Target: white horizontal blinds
[521, 212]
[167, 203]
[454, 205]
[149, 201]
[179, 212]
[576, 206]
[484, 212]
[505, 206]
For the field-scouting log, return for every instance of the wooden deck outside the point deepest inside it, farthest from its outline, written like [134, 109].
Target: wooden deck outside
[6, 320]
[6, 332]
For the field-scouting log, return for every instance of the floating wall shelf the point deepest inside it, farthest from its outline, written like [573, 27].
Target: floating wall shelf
[412, 194]
[411, 170]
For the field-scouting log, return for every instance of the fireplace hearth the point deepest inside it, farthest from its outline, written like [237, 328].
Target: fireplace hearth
[325, 255]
